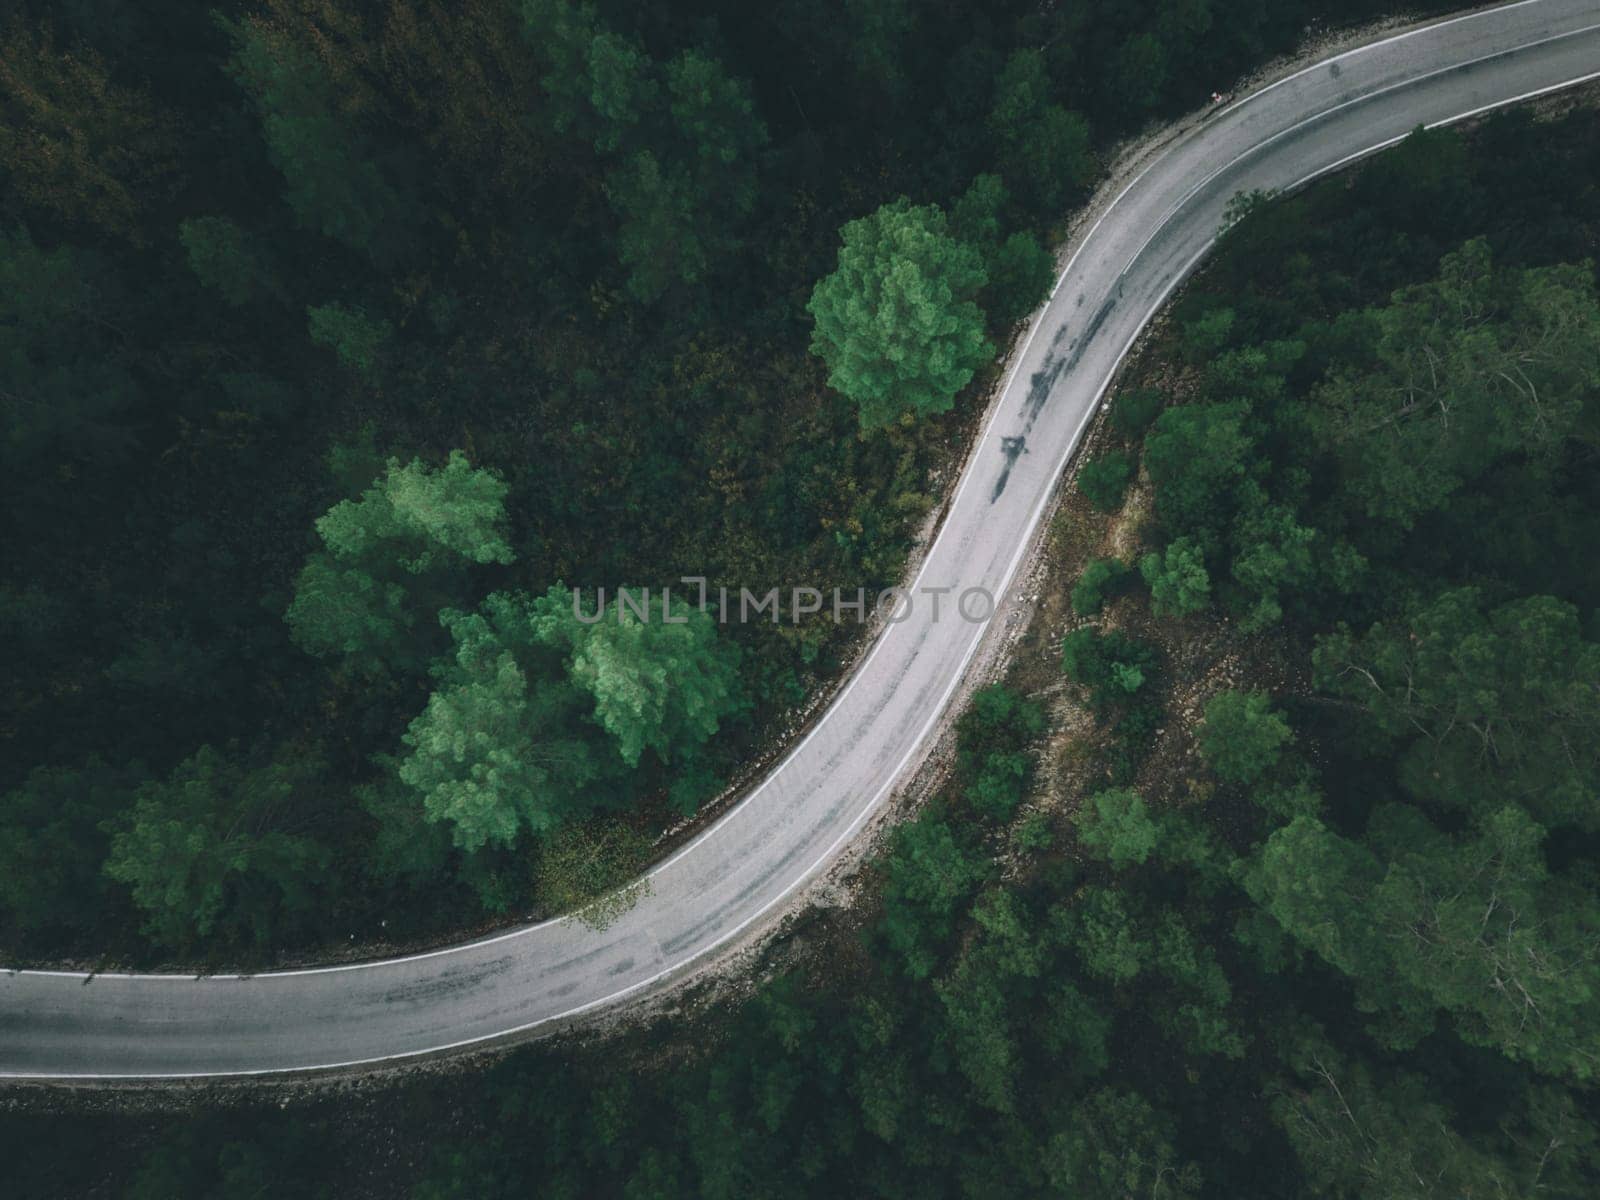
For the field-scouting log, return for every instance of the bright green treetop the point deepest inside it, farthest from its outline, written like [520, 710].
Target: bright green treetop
[539, 718]
[497, 749]
[1115, 825]
[896, 322]
[658, 685]
[429, 513]
[388, 554]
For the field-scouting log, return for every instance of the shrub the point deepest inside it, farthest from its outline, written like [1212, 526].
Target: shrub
[1104, 479]
[1101, 579]
[1133, 411]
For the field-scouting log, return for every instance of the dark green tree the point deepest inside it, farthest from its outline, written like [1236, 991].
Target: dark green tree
[1242, 736]
[225, 258]
[222, 850]
[332, 179]
[1104, 478]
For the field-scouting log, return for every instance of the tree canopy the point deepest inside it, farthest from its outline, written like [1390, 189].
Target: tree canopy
[896, 322]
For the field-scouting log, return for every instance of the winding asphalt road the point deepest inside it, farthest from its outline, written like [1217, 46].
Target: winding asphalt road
[738, 873]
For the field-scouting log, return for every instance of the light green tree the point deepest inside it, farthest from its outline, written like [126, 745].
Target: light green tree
[1115, 825]
[540, 719]
[896, 321]
[388, 559]
[660, 685]
[499, 747]
[424, 516]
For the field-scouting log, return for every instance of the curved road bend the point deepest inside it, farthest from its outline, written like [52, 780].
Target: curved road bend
[737, 873]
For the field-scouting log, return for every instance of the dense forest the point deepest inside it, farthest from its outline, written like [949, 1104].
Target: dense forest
[1351, 948]
[339, 340]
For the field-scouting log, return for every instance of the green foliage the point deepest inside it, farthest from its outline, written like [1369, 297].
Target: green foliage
[1208, 335]
[501, 745]
[1101, 578]
[1093, 659]
[1134, 409]
[358, 340]
[1177, 578]
[978, 217]
[540, 718]
[1020, 270]
[1105, 478]
[929, 875]
[1044, 148]
[600, 84]
[663, 684]
[1492, 702]
[1114, 825]
[219, 850]
[1197, 455]
[1242, 736]
[1468, 368]
[341, 609]
[391, 555]
[896, 322]
[994, 752]
[581, 865]
[661, 241]
[1358, 1129]
[574, 219]
[52, 844]
[1472, 926]
[1020, 279]
[223, 257]
[406, 848]
[1277, 554]
[1120, 674]
[715, 115]
[331, 178]
[423, 517]
[1114, 1143]
[618, 340]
